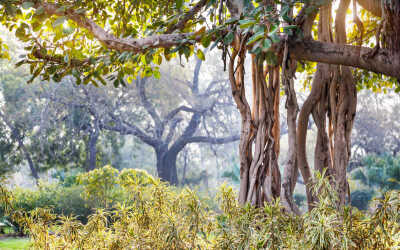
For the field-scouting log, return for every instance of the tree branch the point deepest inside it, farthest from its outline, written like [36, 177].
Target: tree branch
[108, 39]
[212, 140]
[373, 6]
[159, 129]
[384, 62]
[188, 16]
[129, 129]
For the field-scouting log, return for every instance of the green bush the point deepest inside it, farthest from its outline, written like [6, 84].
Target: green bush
[158, 216]
[78, 195]
[62, 200]
[361, 198]
[161, 217]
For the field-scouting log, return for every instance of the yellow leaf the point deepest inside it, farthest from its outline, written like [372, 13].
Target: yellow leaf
[200, 55]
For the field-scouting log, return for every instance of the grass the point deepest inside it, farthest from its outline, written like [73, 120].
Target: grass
[14, 243]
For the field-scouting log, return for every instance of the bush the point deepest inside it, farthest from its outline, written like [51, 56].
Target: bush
[361, 198]
[62, 200]
[101, 188]
[158, 216]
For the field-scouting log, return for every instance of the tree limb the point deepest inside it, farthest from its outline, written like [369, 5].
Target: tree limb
[108, 39]
[384, 62]
[212, 140]
[188, 16]
[129, 129]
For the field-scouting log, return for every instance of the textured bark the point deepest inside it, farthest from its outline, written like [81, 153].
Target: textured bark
[317, 86]
[343, 102]
[316, 104]
[373, 6]
[236, 79]
[322, 159]
[291, 169]
[391, 25]
[383, 61]
[259, 173]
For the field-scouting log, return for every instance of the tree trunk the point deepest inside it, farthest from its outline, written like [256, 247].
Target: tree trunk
[91, 157]
[259, 172]
[28, 157]
[343, 101]
[166, 166]
[333, 95]
[291, 168]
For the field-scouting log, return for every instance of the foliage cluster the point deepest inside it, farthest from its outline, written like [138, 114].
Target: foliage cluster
[379, 174]
[382, 172]
[74, 196]
[158, 216]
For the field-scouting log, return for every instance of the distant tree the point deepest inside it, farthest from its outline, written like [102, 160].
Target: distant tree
[376, 127]
[167, 117]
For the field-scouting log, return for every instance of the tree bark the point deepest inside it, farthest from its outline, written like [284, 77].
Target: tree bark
[342, 111]
[291, 168]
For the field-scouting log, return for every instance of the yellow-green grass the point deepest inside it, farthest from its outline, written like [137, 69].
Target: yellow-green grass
[14, 243]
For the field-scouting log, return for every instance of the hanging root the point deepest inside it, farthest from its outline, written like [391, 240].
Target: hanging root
[358, 22]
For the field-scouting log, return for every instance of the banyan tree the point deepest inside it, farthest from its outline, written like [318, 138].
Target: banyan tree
[100, 42]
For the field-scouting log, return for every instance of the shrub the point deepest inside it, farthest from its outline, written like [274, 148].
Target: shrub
[361, 198]
[158, 216]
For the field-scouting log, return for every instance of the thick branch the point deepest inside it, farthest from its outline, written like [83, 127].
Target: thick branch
[174, 112]
[212, 140]
[148, 106]
[129, 129]
[112, 42]
[373, 6]
[340, 54]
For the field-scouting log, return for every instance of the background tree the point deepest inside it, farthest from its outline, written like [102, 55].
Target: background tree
[188, 112]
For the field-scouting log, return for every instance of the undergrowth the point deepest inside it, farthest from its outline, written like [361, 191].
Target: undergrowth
[155, 215]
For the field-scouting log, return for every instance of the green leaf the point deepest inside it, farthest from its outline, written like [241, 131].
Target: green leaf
[101, 80]
[266, 44]
[18, 64]
[246, 23]
[59, 21]
[186, 51]
[284, 14]
[179, 4]
[273, 29]
[228, 39]
[205, 41]
[27, 5]
[256, 37]
[215, 43]
[116, 83]
[156, 74]
[275, 38]
[271, 58]
[231, 20]
[39, 11]
[200, 55]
